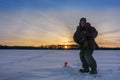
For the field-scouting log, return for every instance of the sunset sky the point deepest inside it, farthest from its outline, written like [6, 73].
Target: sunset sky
[48, 22]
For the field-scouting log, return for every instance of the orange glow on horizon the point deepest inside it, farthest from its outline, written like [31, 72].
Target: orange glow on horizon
[37, 44]
[102, 41]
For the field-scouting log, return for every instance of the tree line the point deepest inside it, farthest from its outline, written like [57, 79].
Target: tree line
[53, 47]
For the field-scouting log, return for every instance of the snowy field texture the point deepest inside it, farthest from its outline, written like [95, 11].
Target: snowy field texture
[48, 65]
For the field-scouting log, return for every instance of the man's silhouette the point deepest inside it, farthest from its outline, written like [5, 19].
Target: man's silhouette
[85, 36]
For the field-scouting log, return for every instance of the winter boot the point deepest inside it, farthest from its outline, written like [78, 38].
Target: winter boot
[93, 72]
[84, 70]
[93, 69]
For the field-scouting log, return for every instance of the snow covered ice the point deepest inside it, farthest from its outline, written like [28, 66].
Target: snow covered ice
[49, 65]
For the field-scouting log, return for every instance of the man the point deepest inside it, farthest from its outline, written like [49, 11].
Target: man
[85, 36]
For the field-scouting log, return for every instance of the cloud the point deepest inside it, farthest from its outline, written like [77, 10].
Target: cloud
[55, 26]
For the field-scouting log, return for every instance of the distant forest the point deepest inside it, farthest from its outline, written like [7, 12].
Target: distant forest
[52, 47]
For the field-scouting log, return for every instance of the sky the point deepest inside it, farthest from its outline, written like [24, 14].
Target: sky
[49, 22]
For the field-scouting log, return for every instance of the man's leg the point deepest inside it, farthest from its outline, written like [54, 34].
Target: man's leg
[84, 62]
[91, 61]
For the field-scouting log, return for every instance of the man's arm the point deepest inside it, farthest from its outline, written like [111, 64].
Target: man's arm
[92, 33]
[76, 35]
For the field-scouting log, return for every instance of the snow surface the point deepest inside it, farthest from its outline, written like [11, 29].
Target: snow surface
[48, 65]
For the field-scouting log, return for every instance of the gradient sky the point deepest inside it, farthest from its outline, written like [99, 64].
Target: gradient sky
[46, 22]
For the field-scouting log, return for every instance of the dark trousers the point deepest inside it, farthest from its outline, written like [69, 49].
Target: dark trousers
[87, 59]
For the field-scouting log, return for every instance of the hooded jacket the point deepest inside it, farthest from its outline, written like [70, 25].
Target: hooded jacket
[85, 36]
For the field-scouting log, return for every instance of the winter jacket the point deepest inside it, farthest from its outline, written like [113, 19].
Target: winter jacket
[85, 37]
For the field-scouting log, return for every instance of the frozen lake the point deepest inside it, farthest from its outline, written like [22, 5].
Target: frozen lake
[48, 65]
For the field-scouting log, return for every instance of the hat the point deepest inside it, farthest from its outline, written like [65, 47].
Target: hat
[83, 19]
